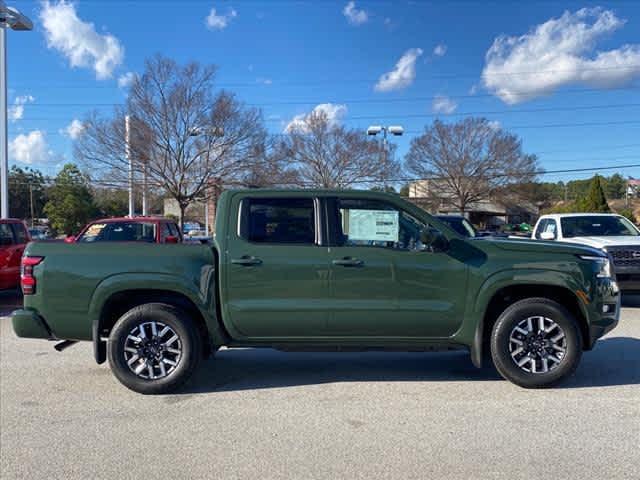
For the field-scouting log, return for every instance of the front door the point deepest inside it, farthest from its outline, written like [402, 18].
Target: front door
[276, 269]
[384, 283]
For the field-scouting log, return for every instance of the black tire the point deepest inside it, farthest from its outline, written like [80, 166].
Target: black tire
[512, 317]
[187, 362]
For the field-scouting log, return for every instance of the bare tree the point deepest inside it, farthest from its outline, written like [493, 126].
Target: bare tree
[326, 155]
[188, 139]
[468, 161]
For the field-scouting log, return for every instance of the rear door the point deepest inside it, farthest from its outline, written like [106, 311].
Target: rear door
[383, 282]
[275, 269]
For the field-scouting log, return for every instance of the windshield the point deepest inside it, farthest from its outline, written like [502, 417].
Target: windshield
[460, 225]
[597, 226]
[120, 232]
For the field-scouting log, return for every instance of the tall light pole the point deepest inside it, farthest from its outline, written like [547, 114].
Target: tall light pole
[13, 19]
[395, 130]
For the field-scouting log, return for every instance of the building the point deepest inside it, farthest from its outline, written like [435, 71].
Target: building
[435, 197]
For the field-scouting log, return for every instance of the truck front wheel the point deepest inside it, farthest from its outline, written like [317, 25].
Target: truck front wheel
[535, 343]
[154, 348]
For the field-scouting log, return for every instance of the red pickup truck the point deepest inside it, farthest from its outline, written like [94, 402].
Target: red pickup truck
[125, 229]
[14, 236]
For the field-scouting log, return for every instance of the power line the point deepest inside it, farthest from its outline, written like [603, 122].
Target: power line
[432, 75]
[420, 132]
[343, 101]
[433, 115]
[122, 183]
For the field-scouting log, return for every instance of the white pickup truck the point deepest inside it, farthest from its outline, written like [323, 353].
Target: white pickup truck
[611, 233]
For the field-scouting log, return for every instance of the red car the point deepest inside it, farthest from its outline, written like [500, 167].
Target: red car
[137, 229]
[14, 236]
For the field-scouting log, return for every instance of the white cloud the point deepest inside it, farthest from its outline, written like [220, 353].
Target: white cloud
[264, 81]
[78, 40]
[16, 111]
[73, 130]
[473, 90]
[443, 104]
[558, 52]
[126, 79]
[215, 21]
[495, 125]
[440, 50]
[31, 148]
[353, 15]
[334, 113]
[402, 75]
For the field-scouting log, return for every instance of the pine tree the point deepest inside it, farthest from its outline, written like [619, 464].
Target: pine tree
[595, 200]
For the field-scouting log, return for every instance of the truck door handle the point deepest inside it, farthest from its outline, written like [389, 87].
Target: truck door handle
[246, 260]
[348, 262]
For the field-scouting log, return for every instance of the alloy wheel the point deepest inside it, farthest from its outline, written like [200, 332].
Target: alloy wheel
[152, 350]
[537, 344]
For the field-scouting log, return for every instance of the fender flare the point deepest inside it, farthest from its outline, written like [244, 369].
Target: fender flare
[509, 278]
[204, 300]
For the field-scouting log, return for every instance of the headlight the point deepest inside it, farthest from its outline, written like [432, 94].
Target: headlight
[603, 267]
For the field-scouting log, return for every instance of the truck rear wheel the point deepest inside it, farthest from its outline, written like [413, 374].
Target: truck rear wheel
[154, 348]
[536, 343]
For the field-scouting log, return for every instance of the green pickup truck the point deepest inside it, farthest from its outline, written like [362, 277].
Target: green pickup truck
[320, 270]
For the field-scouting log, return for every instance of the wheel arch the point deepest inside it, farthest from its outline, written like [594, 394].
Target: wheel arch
[115, 296]
[505, 295]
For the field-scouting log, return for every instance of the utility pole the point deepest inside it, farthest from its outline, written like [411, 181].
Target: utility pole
[145, 181]
[13, 19]
[127, 152]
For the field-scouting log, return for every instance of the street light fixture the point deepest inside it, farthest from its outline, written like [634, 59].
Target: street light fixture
[395, 130]
[13, 19]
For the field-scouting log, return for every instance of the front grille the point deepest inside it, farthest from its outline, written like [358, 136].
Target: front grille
[626, 256]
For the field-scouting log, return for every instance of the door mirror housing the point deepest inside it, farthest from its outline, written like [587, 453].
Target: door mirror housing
[171, 239]
[69, 239]
[547, 236]
[434, 240]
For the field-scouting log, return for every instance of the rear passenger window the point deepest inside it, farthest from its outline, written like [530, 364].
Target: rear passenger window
[6, 234]
[21, 233]
[278, 220]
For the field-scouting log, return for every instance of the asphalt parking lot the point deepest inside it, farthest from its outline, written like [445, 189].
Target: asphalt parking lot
[265, 414]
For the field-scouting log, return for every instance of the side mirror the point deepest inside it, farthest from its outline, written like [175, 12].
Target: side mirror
[69, 239]
[547, 236]
[171, 239]
[434, 240]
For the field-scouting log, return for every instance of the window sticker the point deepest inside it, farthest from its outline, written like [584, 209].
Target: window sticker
[376, 225]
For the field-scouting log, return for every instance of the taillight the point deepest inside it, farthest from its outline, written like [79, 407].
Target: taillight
[27, 280]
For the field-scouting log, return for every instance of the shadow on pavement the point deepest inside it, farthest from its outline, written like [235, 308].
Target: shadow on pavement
[614, 361]
[9, 301]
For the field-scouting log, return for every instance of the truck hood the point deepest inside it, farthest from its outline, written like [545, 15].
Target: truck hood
[602, 242]
[543, 247]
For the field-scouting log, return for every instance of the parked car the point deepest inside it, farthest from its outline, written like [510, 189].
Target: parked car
[137, 229]
[611, 233]
[321, 270]
[14, 237]
[38, 233]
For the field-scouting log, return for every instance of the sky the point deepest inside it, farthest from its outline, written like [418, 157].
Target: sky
[564, 76]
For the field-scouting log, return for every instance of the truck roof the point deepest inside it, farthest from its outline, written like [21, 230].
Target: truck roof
[580, 215]
[311, 191]
[132, 219]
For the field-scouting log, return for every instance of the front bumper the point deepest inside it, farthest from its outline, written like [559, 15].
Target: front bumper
[628, 277]
[605, 310]
[28, 324]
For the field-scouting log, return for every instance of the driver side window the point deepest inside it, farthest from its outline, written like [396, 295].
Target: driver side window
[375, 223]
